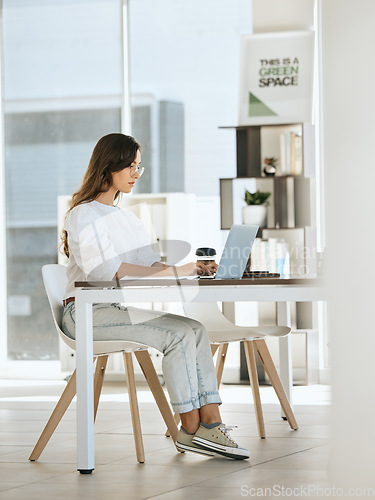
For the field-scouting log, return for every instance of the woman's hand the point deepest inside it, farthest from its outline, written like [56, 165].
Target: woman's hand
[206, 269]
[194, 268]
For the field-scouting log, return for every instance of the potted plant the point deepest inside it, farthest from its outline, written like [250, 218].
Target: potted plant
[255, 211]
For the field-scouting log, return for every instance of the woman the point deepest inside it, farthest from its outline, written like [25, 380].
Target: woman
[103, 242]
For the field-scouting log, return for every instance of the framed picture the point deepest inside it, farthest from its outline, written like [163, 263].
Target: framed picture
[276, 78]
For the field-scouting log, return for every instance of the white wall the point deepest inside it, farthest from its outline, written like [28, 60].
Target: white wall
[349, 75]
[282, 15]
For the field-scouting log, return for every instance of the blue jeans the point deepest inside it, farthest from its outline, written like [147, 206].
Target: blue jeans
[188, 368]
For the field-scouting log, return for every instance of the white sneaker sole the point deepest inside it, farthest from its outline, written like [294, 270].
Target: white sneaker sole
[227, 451]
[193, 449]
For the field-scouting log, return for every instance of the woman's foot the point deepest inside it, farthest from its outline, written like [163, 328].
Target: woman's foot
[215, 438]
[185, 443]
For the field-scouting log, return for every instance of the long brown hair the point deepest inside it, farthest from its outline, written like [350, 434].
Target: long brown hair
[112, 153]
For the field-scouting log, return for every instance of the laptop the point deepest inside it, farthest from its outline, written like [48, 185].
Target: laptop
[236, 252]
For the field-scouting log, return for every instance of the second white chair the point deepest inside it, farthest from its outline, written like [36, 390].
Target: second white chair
[221, 332]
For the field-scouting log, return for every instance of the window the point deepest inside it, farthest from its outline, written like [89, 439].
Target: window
[62, 91]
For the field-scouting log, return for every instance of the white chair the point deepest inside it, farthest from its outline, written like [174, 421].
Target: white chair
[54, 278]
[221, 331]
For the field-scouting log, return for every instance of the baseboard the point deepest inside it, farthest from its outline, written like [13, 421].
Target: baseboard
[325, 376]
[231, 375]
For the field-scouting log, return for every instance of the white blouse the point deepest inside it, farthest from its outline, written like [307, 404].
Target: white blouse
[100, 238]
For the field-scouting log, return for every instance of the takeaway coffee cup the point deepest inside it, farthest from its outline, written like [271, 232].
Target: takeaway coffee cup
[206, 255]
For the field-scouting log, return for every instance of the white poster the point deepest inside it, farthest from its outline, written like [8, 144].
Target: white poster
[276, 80]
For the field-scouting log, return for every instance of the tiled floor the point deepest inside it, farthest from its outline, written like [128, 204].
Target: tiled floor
[289, 459]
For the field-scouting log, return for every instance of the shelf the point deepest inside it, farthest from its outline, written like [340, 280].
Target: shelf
[291, 144]
[290, 217]
[268, 176]
[281, 228]
[290, 213]
[289, 204]
[242, 127]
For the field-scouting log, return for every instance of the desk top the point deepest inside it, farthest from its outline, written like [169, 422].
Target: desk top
[144, 282]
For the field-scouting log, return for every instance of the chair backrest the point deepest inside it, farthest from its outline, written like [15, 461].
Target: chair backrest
[55, 281]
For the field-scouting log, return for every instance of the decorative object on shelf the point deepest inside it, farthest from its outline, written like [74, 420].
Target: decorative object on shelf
[255, 212]
[270, 165]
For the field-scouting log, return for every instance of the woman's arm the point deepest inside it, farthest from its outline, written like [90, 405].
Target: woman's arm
[200, 267]
[160, 264]
[155, 270]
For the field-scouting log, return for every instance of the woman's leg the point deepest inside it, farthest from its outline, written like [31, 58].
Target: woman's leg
[205, 368]
[208, 414]
[187, 366]
[190, 421]
[187, 363]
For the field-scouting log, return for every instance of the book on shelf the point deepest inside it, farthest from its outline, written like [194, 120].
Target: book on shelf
[270, 255]
[287, 153]
[290, 207]
[282, 164]
[255, 258]
[284, 195]
[290, 154]
[298, 156]
[295, 238]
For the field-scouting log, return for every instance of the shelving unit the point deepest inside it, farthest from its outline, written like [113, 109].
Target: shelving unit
[290, 216]
[291, 205]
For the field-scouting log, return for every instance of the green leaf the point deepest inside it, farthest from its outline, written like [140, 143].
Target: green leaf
[257, 198]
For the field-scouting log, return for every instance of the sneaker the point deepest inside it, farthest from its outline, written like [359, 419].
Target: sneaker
[185, 443]
[216, 438]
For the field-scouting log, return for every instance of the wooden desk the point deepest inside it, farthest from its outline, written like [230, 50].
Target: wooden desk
[280, 290]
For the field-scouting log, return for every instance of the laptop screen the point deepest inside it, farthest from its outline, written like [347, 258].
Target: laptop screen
[236, 251]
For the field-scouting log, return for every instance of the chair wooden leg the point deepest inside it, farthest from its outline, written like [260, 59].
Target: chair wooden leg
[177, 419]
[101, 364]
[271, 371]
[54, 420]
[151, 376]
[134, 410]
[63, 404]
[214, 348]
[254, 382]
[220, 362]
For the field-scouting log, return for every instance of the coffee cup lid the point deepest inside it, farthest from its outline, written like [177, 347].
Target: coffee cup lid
[205, 252]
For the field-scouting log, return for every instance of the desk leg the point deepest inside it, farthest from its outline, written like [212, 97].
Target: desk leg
[85, 392]
[285, 348]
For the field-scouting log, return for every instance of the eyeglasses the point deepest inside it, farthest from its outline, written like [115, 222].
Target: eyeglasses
[135, 169]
